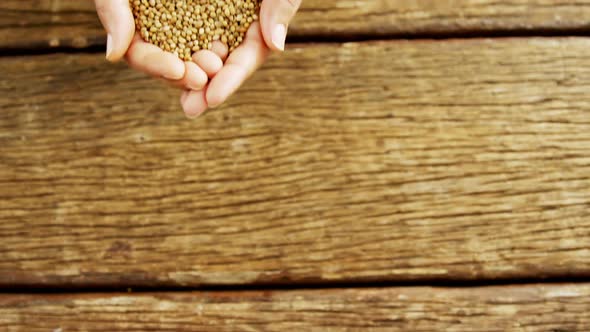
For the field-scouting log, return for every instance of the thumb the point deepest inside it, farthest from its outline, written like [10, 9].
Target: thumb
[117, 19]
[275, 16]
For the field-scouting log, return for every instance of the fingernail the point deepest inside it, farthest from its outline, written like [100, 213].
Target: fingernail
[176, 71]
[192, 115]
[279, 34]
[183, 96]
[195, 87]
[109, 45]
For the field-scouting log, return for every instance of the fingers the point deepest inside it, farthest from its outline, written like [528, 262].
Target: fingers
[242, 62]
[188, 75]
[117, 19]
[220, 49]
[154, 61]
[210, 62]
[193, 103]
[275, 16]
[239, 66]
[194, 78]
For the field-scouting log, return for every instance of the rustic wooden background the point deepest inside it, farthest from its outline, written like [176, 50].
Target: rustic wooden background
[405, 166]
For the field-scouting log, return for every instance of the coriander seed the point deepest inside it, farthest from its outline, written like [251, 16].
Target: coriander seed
[183, 27]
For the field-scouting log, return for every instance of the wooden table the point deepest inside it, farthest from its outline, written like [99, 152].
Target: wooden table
[405, 166]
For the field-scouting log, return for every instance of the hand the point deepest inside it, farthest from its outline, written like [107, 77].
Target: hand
[212, 77]
[122, 41]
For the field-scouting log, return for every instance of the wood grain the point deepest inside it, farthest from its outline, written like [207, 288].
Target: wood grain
[73, 23]
[464, 159]
[535, 308]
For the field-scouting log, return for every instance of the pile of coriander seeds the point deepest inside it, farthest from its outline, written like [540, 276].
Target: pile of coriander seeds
[184, 27]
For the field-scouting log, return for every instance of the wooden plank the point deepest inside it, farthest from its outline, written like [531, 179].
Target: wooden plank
[73, 23]
[463, 159]
[535, 308]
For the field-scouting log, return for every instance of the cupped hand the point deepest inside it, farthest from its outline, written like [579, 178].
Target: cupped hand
[213, 76]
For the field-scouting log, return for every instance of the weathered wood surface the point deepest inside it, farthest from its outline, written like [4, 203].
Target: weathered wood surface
[73, 23]
[537, 308]
[465, 159]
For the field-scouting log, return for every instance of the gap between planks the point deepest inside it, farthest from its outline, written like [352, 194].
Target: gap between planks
[456, 284]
